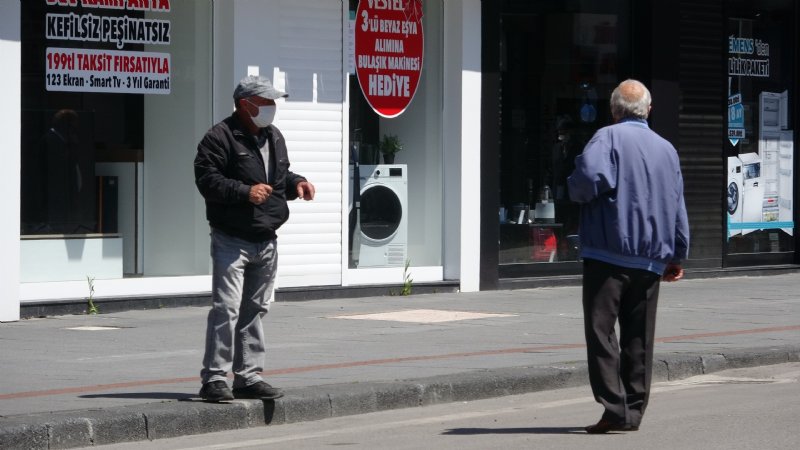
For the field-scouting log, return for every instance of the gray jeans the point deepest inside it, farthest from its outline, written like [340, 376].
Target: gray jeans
[241, 290]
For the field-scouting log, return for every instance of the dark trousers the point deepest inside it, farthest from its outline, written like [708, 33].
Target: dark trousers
[620, 372]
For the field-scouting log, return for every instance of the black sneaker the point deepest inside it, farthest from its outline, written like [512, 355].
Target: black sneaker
[216, 391]
[259, 389]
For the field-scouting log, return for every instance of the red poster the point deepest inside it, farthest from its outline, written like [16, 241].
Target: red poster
[388, 52]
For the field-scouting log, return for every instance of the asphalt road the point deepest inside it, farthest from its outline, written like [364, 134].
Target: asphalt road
[753, 408]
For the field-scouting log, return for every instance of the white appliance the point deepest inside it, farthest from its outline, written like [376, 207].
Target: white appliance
[383, 216]
[786, 179]
[770, 163]
[776, 145]
[745, 191]
[752, 189]
[734, 193]
[774, 111]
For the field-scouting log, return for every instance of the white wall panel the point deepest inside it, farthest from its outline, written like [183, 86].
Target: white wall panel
[314, 217]
[317, 115]
[311, 229]
[324, 253]
[309, 58]
[324, 207]
[307, 239]
[319, 126]
[324, 177]
[462, 125]
[328, 148]
[10, 124]
[296, 273]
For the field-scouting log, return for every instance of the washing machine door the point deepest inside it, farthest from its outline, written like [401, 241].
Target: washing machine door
[381, 212]
[733, 197]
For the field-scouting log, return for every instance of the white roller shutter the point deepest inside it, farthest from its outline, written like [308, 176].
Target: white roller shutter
[310, 70]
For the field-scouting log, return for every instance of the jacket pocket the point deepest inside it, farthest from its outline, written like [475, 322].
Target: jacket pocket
[248, 168]
[281, 169]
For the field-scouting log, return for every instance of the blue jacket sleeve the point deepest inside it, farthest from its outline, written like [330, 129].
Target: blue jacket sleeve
[595, 170]
[681, 227]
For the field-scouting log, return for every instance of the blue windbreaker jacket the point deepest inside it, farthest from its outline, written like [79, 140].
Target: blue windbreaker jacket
[629, 184]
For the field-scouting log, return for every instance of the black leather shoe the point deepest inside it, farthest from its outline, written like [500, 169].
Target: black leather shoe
[604, 426]
[260, 390]
[216, 391]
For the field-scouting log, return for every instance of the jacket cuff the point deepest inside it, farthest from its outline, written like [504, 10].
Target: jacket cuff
[244, 192]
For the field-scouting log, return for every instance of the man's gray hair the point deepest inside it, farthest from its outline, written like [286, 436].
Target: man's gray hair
[630, 100]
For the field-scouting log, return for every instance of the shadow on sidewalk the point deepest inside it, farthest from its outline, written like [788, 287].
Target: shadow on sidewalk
[145, 395]
[528, 430]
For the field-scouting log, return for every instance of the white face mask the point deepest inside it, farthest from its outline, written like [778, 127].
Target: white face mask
[265, 116]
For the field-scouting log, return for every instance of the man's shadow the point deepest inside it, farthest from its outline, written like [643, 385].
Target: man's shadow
[526, 430]
[269, 405]
[145, 395]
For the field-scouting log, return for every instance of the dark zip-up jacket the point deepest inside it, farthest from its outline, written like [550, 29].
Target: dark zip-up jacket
[227, 164]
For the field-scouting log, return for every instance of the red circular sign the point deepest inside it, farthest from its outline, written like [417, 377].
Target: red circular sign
[388, 52]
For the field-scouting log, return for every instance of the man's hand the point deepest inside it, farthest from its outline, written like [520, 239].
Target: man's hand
[305, 190]
[259, 193]
[673, 272]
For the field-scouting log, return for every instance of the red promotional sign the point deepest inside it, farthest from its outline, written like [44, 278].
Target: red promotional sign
[388, 52]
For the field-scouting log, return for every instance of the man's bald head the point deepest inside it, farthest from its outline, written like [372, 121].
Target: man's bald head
[630, 100]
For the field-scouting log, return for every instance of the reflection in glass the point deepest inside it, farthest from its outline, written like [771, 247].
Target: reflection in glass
[760, 215]
[558, 69]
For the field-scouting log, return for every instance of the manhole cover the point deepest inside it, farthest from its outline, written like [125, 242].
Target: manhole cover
[424, 316]
[93, 328]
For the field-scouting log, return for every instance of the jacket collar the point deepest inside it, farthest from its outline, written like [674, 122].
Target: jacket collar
[240, 132]
[633, 121]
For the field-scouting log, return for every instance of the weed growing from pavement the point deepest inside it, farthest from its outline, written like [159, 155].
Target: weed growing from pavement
[92, 306]
[407, 280]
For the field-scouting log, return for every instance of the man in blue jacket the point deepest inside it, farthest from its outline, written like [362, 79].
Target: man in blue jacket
[634, 232]
[242, 170]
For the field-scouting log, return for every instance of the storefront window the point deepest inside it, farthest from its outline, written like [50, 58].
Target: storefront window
[395, 198]
[115, 97]
[558, 67]
[759, 147]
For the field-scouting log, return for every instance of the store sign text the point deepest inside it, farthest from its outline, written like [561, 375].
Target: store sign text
[736, 130]
[88, 70]
[744, 66]
[389, 53]
[111, 71]
[133, 5]
[121, 30]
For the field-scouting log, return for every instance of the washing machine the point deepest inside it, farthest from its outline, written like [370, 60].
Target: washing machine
[745, 192]
[383, 215]
[734, 193]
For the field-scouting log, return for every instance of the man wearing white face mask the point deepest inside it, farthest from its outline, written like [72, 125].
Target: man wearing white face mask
[242, 171]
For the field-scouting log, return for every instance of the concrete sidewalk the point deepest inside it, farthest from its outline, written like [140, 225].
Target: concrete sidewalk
[73, 381]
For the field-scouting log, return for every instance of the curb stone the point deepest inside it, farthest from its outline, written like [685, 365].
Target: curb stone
[676, 367]
[70, 429]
